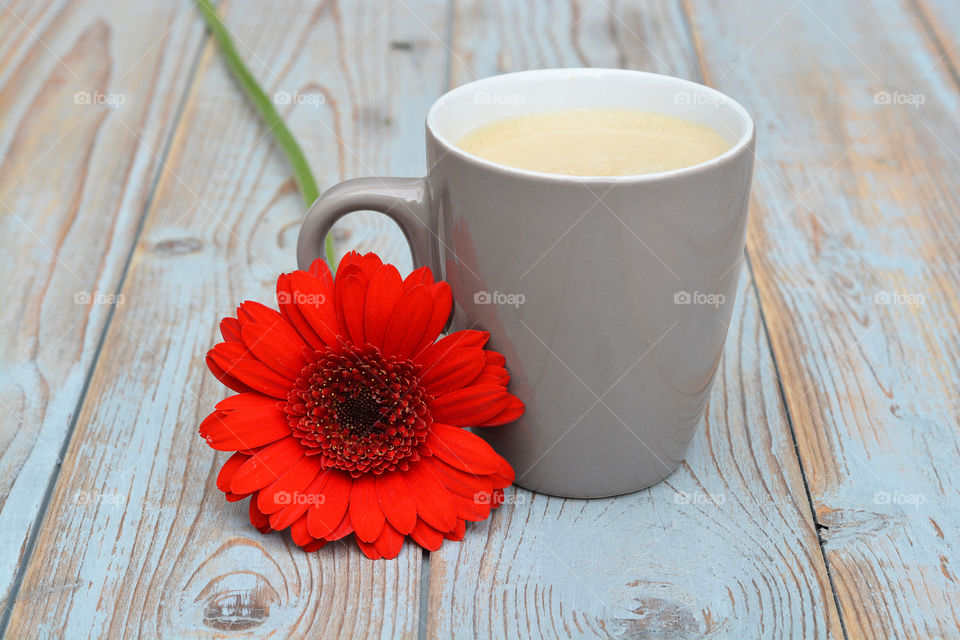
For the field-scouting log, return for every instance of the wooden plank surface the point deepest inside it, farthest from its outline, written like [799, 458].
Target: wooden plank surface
[726, 546]
[853, 243]
[75, 79]
[138, 541]
[848, 315]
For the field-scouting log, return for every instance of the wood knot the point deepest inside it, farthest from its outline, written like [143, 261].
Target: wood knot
[237, 601]
[656, 616]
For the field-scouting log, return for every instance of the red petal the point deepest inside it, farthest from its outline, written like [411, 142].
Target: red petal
[426, 536]
[349, 262]
[315, 302]
[291, 312]
[235, 497]
[251, 311]
[458, 532]
[365, 513]
[396, 501]
[230, 330]
[298, 531]
[485, 378]
[455, 371]
[469, 406]
[383, 293]
[494, 370]
[207, 422]
[252, 400]
[365, 264]
[504, 476]
[494, 358]
[473, 509]
[266, 465]
[423, 276]
[461, 449]
[389, 543]
[458, 340]
[321, 270]
[368, 549]
[234, 360]
[407, 323]
[433, 499]
[228, 470]
[370, 262]
[351, 293]
[513, 410]
[341, 530]
[324, 516]
[292, 512]
[276, 345]
[259, 521]
[246, 429]
[313, 546]
[460, 482]
[439, 315]
[289, 488]
[225, 379]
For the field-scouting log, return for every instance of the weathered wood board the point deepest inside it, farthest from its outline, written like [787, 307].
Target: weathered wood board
[86, 88]
[150, 548]
[853, 245]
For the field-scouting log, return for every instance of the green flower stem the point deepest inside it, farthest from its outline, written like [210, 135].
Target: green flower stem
[298, 162]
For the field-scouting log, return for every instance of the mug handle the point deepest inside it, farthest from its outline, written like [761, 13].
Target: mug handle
[405, 200]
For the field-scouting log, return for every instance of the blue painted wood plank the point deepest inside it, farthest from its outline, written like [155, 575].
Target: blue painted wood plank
[152, 549]
[84, 100]
[853, 243]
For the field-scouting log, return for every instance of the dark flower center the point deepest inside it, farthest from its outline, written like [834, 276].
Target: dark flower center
[359, 414]
[360, 411]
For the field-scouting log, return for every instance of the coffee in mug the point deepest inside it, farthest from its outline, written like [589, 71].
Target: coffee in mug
[595, 142]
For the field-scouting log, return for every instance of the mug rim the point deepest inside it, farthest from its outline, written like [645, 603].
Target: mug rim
[743, 142]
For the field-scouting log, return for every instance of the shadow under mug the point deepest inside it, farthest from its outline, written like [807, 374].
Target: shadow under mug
[609, 296]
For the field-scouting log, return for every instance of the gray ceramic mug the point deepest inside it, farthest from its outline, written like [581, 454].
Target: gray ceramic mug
[609, 296]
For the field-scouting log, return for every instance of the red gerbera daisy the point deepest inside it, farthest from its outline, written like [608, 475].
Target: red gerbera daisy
[350, 415]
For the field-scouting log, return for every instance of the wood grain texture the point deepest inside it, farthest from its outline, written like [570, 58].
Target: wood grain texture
[854, 252]
[854, 247]
[726, 546]
[75, 83]
[138, 542]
